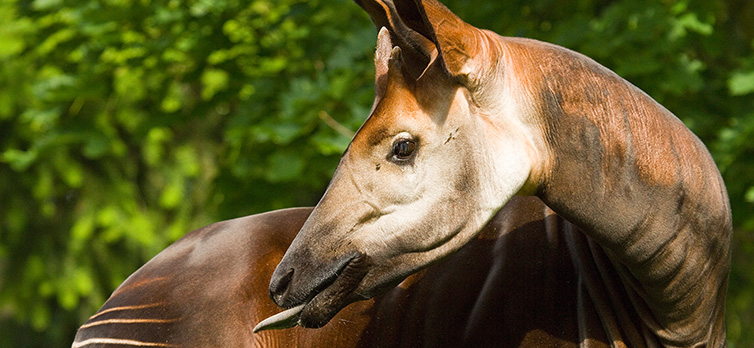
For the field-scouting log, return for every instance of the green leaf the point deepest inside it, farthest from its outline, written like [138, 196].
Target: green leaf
[689, 22]
[96, 146]
[41, 120]
[172, 195]
[19, 160]
[46, 4]
[71, 172]
[40, 316]
[188, 161]
[750, 195]
[83, 228]
[52, 41]
[174, 99]
[13, 31]
[741, 83]
[154, 148]
[128, 83]
[213, 81]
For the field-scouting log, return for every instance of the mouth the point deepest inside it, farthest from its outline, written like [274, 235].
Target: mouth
[335, 294]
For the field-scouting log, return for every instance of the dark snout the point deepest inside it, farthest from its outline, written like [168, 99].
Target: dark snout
[324, 286]
[280, 285]
[298, 277]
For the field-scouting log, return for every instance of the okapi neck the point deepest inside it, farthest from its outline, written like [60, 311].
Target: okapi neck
[629, 174]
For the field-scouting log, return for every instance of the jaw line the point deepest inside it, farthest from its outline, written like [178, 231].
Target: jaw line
[338, 293]
[348, 277]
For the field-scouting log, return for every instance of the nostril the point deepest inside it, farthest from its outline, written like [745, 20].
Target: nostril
[279, 286]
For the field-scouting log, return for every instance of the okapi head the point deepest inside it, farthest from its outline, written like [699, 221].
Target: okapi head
[426, 171]
[463, 120]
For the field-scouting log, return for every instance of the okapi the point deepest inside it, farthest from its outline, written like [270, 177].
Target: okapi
[626, 243]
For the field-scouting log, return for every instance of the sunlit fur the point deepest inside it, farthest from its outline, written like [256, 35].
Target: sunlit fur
[494, 117]
[407, 215]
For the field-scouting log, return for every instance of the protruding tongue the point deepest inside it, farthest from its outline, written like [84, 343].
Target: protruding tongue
[283, 320]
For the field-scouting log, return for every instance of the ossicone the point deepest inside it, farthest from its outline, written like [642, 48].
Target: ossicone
[427, 31]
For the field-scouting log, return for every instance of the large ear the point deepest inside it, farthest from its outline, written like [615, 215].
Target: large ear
[459, 43]
[425, 28]
[417, 46]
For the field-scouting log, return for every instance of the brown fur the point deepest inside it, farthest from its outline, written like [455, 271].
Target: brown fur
[634, 253]
[518, 284]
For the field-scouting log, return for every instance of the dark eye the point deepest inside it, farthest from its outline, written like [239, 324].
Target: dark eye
[403, 149]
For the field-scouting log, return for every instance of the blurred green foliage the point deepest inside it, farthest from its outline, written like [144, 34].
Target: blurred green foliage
[126, 123]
